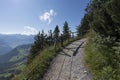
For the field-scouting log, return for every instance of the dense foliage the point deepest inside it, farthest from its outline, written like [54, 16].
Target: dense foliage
[103, 49]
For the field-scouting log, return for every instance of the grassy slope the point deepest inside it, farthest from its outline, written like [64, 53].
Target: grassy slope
[98, 63]
[40, 64]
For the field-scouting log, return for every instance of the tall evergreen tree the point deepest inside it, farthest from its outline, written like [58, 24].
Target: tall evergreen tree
[50, 37]
[35, 48]
[50, 33]
[38, 46]
[66, 30]
[83, 28]
[43, 39]
[56, 32]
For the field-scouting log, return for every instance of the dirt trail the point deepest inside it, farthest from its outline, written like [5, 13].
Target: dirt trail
[67, 66]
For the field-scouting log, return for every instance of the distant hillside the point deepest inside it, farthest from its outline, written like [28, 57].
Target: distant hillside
[13, 61]
[8, 42]
[4, 47]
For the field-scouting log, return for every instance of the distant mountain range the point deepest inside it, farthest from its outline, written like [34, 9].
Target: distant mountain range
[9, 42]
[12, 62]
[14, 49]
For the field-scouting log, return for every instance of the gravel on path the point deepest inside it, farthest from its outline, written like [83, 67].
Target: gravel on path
[66, 66]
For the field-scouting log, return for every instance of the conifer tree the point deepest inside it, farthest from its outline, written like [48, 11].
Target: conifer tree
[36, 47]
[50, 37]
[56, 32]
[66, 30]
[50, 33]
[83, 28]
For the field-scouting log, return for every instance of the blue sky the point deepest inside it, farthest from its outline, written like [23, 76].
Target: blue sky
[30, 16]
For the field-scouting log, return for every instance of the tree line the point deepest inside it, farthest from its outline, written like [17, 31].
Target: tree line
[43, 40]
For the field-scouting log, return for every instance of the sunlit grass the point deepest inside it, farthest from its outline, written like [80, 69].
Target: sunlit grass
[5, 75]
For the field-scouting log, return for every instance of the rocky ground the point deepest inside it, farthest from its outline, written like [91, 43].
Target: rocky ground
[67, 66]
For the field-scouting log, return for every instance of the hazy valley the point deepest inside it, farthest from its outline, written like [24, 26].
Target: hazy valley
[13, 53]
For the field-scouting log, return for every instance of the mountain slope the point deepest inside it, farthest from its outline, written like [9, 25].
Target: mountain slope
[14, 61]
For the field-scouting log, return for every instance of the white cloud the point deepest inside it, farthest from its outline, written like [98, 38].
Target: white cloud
[47, 16]
[29, 31]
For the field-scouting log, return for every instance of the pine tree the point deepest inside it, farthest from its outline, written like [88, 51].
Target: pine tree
[83, 28]
[50, 33]
[66, 31]
[43, 40]
[36, 47]
[50, 37]
[56, 32]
